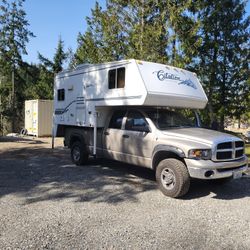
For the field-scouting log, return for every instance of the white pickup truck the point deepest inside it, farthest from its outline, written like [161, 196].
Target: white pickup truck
[166, 141]
[127, 127]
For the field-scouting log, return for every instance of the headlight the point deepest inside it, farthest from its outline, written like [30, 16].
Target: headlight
[204, 154]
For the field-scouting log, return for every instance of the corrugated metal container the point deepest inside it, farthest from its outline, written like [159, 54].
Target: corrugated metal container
[38, 117]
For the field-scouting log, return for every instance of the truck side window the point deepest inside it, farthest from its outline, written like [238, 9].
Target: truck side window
[60, 94]
[136, 122]
[116, 78]
[116, 120]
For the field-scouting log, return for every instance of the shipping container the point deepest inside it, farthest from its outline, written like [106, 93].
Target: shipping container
[38, 117]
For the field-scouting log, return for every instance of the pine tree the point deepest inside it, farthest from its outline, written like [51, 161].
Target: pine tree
[56, 65]
[223, 57]
[104, 38]
[14, 35]
[160, 31]
[47, 70]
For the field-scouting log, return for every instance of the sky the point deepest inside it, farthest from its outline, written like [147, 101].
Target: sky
[50, 19]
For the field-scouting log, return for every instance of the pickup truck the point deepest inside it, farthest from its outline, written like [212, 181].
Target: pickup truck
[169, 141]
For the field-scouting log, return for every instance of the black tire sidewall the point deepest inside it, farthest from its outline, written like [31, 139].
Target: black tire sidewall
[181, 177]
[83, 153]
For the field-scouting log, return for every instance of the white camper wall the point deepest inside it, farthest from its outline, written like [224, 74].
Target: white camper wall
[87, 88]
[97, 86]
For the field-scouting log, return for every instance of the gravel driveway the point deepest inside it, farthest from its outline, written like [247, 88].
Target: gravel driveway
[48, 203]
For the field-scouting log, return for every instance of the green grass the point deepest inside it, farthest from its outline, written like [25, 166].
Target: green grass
[248, 151]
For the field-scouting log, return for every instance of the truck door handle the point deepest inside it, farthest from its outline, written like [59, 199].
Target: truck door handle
[125, 136]
[106, 133]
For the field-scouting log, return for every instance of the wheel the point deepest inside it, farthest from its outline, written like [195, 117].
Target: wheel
[24, 131]
[172, 178]
[79, 154]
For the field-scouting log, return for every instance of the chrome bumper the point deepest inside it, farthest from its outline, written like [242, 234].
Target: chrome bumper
[207, 169]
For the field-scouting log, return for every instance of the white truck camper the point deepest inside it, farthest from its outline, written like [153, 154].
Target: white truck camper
[145, 114]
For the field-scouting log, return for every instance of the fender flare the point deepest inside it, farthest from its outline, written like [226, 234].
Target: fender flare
[166, 149]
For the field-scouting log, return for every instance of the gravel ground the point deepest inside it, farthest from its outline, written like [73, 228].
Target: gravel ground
[48, 203]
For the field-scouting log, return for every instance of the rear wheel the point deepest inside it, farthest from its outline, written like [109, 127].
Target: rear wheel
[172, 178]
[79, 154]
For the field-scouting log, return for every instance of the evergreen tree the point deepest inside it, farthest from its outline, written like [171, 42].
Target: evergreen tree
[104, 39]
[223, 57]
[14, 35]
[160, 31]
[56, 65]
[47, 70]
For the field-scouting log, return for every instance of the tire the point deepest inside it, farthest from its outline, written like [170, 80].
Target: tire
[24, 131]
[79, 154]
[172, 178]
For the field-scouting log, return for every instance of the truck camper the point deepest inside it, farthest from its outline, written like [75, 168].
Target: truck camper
[145, 114]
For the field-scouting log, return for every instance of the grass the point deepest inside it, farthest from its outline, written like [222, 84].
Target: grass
[248, 151]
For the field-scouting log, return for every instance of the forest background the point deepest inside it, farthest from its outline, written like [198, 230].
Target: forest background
[210, 38]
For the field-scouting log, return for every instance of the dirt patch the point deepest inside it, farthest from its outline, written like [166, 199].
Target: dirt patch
[25, 147]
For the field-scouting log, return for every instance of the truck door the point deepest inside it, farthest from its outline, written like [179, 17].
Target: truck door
[112, 137]
[137, 140]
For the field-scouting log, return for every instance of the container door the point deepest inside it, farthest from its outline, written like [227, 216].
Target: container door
[34, 117]
[28, 116]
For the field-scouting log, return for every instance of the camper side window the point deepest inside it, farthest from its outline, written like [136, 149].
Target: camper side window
[60, 94]
[117, 78]
[120, 78]
[112, 78]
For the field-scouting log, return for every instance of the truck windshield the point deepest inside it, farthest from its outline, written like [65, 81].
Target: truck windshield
[176, 118]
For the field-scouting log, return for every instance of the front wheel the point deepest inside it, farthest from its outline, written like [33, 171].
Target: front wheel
[79, 155]
[172, 178]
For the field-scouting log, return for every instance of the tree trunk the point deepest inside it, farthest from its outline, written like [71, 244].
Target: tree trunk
[174, 51]
[142, 30]
[13, 128]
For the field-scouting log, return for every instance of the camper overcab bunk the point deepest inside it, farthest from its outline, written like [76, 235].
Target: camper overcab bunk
[145, 114]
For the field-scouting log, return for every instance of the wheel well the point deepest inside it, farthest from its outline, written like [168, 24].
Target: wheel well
[161, 155]
[75, 138]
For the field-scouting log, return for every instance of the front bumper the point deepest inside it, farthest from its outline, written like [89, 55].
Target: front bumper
[207, 169]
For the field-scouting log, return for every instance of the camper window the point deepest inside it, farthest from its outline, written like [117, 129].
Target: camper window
[120, 78]
[117, 78]
[112, 80]
[60, 94]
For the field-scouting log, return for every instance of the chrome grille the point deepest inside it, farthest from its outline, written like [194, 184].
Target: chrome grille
[229, 150]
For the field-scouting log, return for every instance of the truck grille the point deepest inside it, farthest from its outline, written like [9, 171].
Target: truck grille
[229, 150]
